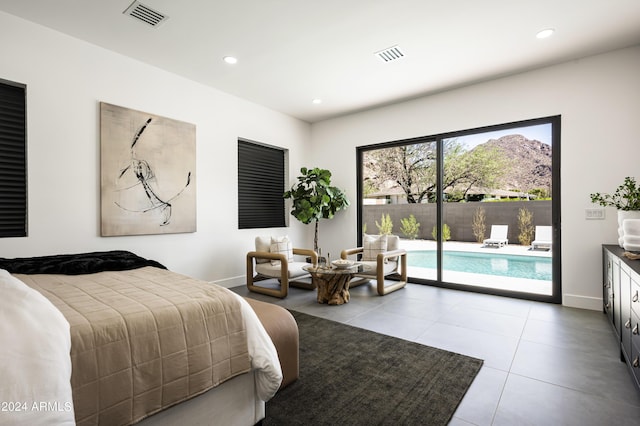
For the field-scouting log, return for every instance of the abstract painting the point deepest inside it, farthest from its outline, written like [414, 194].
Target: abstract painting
[147, 173]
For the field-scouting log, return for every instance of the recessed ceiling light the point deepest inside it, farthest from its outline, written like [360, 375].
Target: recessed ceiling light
[317, 101]
[545, 33]
[230, 60]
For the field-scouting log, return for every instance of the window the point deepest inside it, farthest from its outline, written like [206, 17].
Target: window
[446, 193]
[13, 160]
[261, 180]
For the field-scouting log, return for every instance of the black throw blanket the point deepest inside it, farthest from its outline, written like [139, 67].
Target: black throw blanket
[77, 264]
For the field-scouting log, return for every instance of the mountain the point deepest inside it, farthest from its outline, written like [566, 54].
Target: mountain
[530, 162]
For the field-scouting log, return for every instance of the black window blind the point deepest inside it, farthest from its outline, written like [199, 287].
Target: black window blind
[261, 174]
[13, 161]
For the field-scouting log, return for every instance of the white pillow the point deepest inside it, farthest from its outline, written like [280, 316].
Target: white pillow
[373, 245]
[281, 245]
[263, 243]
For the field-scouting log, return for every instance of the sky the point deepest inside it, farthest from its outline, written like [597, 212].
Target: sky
[540, 132]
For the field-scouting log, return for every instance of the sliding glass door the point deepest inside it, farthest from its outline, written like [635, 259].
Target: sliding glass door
[476, 209]
[399, 189]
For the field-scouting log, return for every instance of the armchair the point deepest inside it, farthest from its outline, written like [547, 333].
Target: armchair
[274, 258]
[385, 257]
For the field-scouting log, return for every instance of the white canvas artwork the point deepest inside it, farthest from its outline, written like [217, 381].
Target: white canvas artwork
[147, 173]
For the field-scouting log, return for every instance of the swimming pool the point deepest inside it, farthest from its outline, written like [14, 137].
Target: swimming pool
[506, 265]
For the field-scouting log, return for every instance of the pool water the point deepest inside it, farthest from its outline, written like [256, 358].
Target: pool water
[506, 265]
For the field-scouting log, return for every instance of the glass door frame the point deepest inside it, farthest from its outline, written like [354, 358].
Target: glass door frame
[555, 122]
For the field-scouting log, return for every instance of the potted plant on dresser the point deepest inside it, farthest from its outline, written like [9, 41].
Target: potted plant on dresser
[314, 198]
[626, 199]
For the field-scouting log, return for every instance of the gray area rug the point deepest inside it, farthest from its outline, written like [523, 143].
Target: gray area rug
[352, 376]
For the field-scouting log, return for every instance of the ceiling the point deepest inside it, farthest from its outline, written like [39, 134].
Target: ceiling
[291, 52]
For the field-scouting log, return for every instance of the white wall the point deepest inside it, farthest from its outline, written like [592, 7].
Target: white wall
[598, 98]
[599, 101]
[66, 79]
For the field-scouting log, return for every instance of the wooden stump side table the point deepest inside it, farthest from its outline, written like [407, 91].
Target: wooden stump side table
[332, 283]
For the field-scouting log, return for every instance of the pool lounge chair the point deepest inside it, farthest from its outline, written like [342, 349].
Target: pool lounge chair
[498, 236]
[543, 239]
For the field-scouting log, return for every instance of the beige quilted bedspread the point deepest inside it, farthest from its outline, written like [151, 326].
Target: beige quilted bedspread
[145, 339]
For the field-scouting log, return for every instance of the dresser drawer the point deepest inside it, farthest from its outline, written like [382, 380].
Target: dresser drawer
[635, 293]
[634, 364]
[625, 310]
[611, 260]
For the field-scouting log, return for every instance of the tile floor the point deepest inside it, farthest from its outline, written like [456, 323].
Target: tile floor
[544, 364]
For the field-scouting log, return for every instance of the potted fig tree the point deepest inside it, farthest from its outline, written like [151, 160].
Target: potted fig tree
[314, 198]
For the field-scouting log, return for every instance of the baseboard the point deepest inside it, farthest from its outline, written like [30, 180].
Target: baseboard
[232, 282]
[582, 302]
[569, 300]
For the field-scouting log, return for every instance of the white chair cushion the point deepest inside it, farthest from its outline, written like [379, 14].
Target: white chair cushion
[388, 268]
[373, 245]
[263, 244]
[295, 270]
[393, 242]
[281, 245]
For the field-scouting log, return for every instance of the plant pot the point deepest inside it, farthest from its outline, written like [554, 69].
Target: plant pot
[622, 216]
[631, 238]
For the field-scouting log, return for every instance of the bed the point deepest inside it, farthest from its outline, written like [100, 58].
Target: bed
[112, 338]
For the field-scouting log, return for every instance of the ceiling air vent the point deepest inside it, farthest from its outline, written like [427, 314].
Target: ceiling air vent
[145, 14]
[390, 54]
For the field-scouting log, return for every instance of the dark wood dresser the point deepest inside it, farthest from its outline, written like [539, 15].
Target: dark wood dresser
[621, 289]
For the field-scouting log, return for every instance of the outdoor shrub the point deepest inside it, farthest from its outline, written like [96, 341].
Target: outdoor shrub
[410, 227]
[540, 193]
[386, 225]
[446, 232]
[525, 224]
[479, 224]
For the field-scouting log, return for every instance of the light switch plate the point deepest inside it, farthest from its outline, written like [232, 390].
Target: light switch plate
[594, 214]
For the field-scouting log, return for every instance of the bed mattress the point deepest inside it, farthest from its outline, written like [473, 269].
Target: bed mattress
[145, 339]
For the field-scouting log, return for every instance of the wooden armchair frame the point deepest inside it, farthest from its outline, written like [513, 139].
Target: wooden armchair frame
[284, 272]
[379, 275]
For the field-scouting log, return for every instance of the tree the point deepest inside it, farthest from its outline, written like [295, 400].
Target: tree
[368, 188]
[314, 198]
[540, 193]
[413, 167]
[482, 166]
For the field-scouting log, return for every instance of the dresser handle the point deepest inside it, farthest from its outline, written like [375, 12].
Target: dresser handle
[628, 323]
[635, 296]
[636, 362]
[635, 329]
[608, 305]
